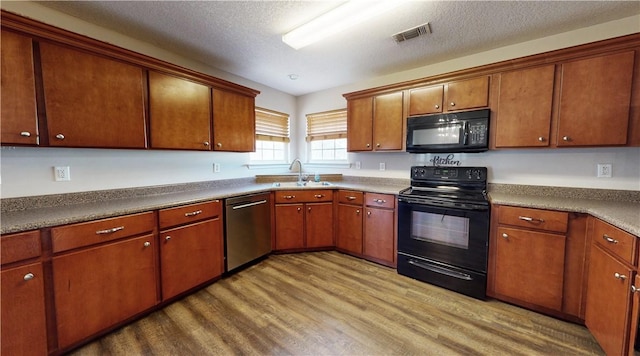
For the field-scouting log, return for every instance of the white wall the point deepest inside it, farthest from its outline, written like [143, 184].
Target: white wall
[28, 171]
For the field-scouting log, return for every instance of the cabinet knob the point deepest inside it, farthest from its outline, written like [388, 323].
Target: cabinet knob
[299, 209]
[634, 289]
[29, 276]
[147, 244]
[368, 213]
[309, 208]
[619, 276]
[60, 136]
[206, 143]
[167, 238]
[437, 106]
[566, 138]
[452, 104]
[541, 139]
[219, 144]
[357, 211]
[25, 134]
[610, 240]
[377, 145]
[504, 235]
[368, 145]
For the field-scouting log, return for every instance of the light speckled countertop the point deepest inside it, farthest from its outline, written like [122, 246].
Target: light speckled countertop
[619, 208]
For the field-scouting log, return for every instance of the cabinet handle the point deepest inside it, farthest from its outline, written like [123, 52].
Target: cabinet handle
[368, 145]
[526, 218]
[288, 196]
[147, 244]
[25, 134]
[541, 139]
[167, 238]
[634, 289]
[452, 104]
[350, 198]
[566, 138]
[206, 143]
[609, 239]
[437, 106]
[319, 196]
[219, 144]
[619, 276]
[504, 235]
[357, 212]
[29, 276]
[109, 231]
[193, 213]
[379, 201]
[60, 136]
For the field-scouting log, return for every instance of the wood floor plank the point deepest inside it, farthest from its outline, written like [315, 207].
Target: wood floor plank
[328, 303]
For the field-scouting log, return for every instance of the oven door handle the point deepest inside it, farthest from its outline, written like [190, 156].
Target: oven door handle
[441, 270]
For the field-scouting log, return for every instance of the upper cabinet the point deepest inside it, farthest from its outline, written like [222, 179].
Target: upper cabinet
[234, 122]
[376, 123]
[18, 117]
[527, 88]
[90, 100]
[458, 95]
[179, 113]
[595, 100]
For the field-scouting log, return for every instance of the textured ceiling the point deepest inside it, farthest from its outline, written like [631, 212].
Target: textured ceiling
[244, 37]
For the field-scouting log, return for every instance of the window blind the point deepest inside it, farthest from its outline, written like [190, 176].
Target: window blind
[272, 125]
[327, 125]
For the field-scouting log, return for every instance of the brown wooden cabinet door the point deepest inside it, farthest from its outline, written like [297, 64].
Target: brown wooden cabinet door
[190, 255]
[319, 224]
[179, 113]
[608, 301]
[635, 316]
[524, 107]
[360, 124]
[289, 226]
[379, 241]
[467, 94]
[18, 117]
[23, 325]
[529, 266]
[349, 230]
[98, 287]
[425, 101]
[92, 101]
[388, 121]
[234, 122]
[595, 100]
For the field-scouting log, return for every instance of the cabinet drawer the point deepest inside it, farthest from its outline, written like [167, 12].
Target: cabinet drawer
[350, 197]
[85, 234]
[189, 213]
[20, 246]
[533, 218]
[619, 242]
[380, 200]
[303, 196]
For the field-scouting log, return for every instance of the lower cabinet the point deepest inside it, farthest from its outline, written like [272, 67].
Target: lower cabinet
[304, 219]
[612, 269]
[23, 326]
[193, 252]
[349, 221]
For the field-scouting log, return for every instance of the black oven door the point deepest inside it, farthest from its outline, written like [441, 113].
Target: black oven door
[451, 236]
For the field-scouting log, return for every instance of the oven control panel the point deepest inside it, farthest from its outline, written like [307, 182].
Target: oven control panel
[449, 173]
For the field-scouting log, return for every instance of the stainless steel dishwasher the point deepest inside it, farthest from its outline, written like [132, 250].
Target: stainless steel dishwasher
[247, 229]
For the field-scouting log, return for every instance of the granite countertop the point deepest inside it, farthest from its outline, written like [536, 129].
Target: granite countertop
[30, 213]
[618, 208]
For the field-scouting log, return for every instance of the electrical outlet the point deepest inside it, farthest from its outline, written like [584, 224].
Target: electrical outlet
[604, 170]
[62, 174]
[358, 165]
[216, 168]
[383, 166]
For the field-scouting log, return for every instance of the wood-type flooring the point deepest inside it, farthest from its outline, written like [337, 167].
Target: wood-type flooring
[328, 303]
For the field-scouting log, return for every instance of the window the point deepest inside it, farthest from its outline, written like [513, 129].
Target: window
[272, 136]
[327, 136]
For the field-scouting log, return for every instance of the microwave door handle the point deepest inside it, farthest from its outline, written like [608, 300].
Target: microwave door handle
[466, 133]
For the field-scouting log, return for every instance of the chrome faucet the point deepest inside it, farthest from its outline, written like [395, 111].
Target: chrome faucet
[299, 170]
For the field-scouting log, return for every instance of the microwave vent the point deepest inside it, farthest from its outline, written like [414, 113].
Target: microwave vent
[418, 31]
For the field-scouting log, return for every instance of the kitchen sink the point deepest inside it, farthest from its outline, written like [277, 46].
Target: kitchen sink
[301, 185]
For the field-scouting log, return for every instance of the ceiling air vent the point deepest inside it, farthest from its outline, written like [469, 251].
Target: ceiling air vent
[423, 29]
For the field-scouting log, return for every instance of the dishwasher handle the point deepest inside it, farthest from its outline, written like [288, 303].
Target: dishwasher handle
[242, 206]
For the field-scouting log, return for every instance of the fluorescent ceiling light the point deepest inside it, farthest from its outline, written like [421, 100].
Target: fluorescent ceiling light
[337, 20]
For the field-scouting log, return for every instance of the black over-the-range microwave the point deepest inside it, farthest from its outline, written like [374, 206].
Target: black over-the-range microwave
[452, 132]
